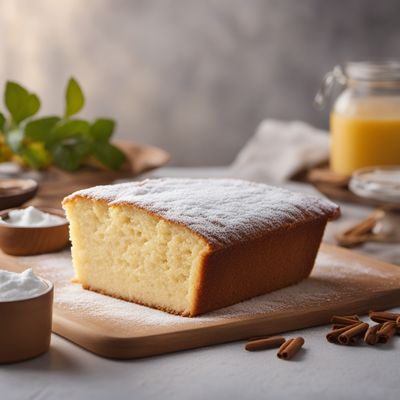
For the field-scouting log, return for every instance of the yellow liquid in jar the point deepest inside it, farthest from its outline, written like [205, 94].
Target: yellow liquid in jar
[368, 134]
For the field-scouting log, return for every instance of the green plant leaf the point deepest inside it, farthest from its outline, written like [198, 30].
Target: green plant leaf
[64, 141]
[35, 155]
[74, 99]
[40, 129]
[102, 129]
[33, 105]
[20, 103]
[2, 121]
[70, 128]
[67, 129]
[69, 156]
[14, 139]
[108, 155]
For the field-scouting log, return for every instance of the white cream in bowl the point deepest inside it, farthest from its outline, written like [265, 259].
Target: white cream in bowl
[32, 217]
[20, 286]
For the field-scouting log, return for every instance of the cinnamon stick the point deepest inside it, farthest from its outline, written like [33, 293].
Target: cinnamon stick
[338, 326]
[345, 319]
[326, 176]
[361, 232]
[363, 227]
[371, 336]
[352, 335]
[352, 316]
[290, 348]
[383, 316]
[387, 330]
[266, 343]
[333, 336]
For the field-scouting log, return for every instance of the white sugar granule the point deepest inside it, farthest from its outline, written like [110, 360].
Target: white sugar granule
[332, 281]
[223, 211]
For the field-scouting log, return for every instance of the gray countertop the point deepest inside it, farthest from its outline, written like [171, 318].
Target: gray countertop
[226, 371]
[322, 370]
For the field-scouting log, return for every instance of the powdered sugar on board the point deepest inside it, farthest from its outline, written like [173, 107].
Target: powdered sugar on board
[223, 211]
[333, 279]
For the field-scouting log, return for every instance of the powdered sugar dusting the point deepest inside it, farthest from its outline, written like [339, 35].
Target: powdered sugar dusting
[333, 280]
[330, 266]
[223, 211]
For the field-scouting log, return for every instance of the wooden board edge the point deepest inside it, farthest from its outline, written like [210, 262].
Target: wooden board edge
[123, 348]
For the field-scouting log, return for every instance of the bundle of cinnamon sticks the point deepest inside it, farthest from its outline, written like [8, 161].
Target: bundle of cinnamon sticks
[349, 329]
[346, 330]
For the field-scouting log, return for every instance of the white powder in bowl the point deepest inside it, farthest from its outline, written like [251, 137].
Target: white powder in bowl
[32, 217]
[15, 286]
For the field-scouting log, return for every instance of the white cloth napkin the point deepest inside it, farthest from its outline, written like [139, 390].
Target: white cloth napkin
[279, 150]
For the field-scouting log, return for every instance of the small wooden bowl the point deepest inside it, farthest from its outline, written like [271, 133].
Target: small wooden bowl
[15, 192]
[26, 326]
[25, 241]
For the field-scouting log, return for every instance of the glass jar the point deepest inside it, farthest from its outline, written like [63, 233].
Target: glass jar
[365, 118]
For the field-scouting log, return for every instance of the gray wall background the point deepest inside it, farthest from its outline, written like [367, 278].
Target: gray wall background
[192, 76]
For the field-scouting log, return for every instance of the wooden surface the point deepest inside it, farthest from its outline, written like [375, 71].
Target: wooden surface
[349, 283]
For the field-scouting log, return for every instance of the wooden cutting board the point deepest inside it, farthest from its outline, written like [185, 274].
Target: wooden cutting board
[342, 282]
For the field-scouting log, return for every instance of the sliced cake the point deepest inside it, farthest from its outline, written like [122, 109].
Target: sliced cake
[188, 246]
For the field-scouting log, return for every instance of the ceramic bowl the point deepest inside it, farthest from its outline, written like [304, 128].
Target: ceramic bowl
[379, 183]
[24, 241]
[25, 330]
[15, 192]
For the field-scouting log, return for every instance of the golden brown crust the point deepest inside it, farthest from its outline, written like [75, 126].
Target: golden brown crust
[335, 214]
[257, 267]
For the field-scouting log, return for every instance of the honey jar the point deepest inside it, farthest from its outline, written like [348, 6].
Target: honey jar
[365, 118]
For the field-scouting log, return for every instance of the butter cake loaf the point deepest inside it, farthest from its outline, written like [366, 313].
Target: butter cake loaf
[189, 246]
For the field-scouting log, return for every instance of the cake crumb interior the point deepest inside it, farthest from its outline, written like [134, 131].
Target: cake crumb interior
[126, 252]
